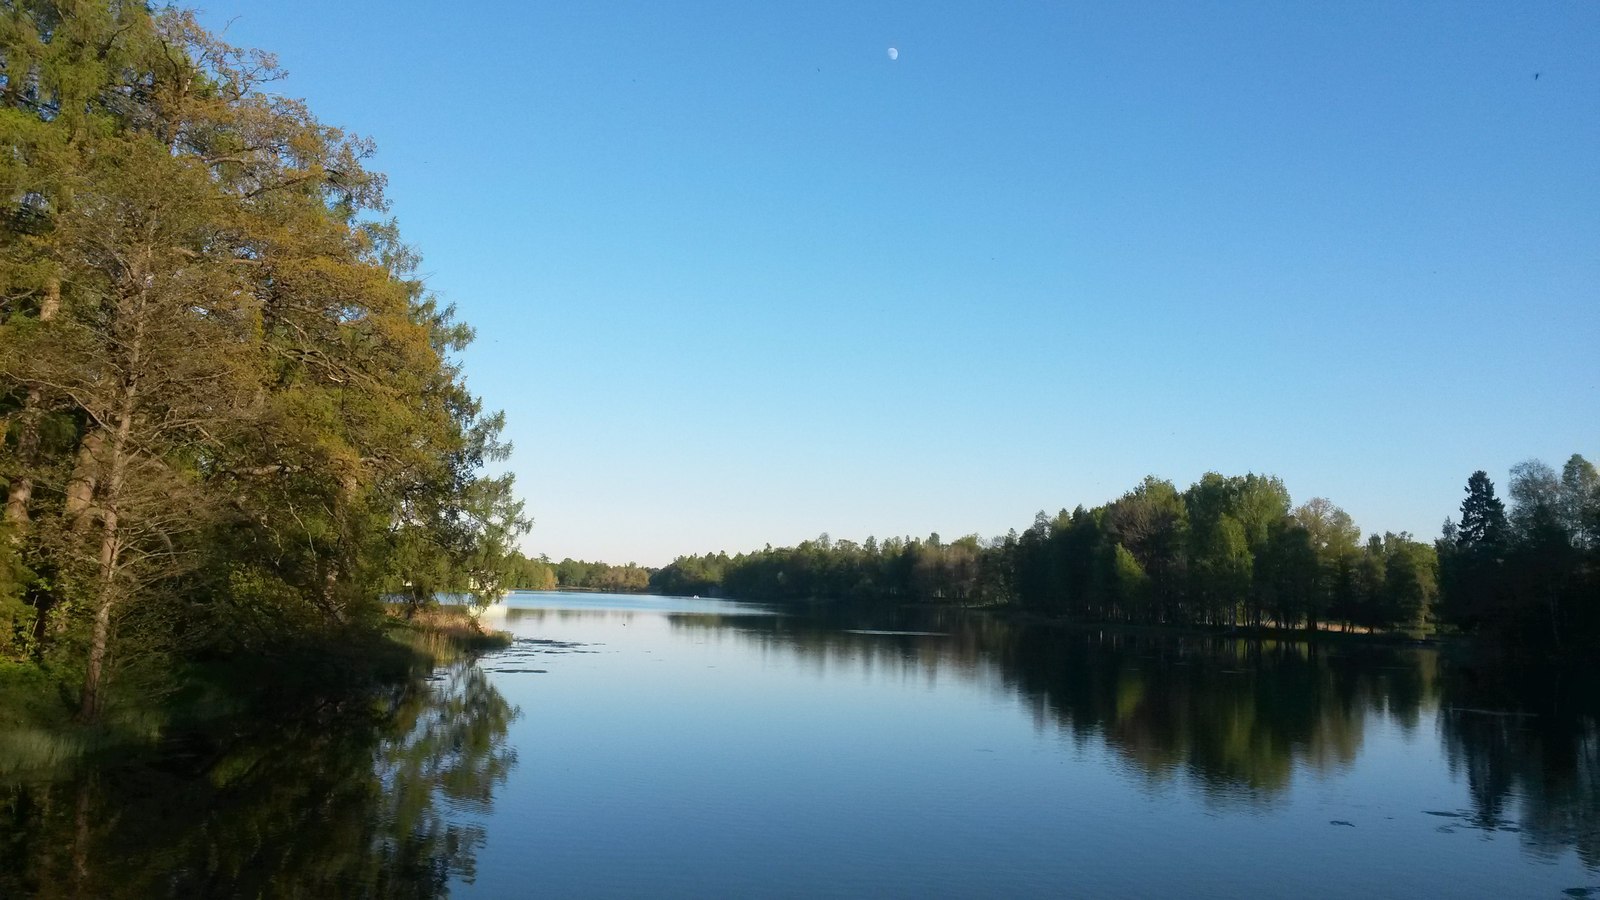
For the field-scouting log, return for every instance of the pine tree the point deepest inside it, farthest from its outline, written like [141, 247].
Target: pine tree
[1473, 569]
[1482, 528]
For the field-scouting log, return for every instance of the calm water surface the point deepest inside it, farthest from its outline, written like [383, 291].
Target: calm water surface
[644, 746]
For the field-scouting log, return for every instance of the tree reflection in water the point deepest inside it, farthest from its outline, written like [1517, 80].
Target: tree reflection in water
[1235, 719]
[1534, 737]
[351, 800]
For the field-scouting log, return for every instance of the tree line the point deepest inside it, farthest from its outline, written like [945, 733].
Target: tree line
[1528, 576]
[232, 416]
[1225, 551]
[540, 574]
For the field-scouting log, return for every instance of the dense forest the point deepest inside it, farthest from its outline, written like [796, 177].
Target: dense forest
[575, 574]
[1228, 551]
[232, 420]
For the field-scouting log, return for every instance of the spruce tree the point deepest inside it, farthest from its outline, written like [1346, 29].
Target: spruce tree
[1482, 529]
[1472, 570]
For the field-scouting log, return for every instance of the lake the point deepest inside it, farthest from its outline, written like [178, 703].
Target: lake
[648, 746]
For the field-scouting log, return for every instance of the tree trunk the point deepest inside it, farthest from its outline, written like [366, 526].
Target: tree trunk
[111, 538]
[80, 488]
[106, 582]
[79, 508]
[21, 492]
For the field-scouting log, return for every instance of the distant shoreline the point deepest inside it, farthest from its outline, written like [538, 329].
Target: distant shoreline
[562, 589]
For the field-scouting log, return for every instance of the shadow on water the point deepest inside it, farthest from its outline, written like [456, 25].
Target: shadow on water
[362, 799]
[1527, 743]
[1236, 720]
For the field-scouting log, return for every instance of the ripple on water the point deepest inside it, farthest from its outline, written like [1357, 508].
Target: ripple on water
[517, 658]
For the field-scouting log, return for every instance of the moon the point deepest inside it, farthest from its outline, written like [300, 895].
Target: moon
[893, 53]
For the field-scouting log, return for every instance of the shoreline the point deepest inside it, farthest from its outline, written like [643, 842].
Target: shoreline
[40, 738]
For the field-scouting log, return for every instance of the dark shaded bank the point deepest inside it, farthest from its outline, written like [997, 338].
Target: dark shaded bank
[322, 768]
[214, 697]
[852, 611]
[359, 795]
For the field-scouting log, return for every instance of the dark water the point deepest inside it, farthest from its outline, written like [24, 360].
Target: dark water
[630, 746]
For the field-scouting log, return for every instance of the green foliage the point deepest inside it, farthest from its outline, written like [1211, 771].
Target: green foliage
[531, 574]
[1334, 541]
[1530, 578]
[898, 568]
[599, 576]
[16, 617]
[1290, 573]
[1227, 551]
[1410, 582]
[232, 414]
[692, 575]
[1130, 584]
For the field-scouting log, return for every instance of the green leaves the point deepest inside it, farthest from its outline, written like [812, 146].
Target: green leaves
[241, 415]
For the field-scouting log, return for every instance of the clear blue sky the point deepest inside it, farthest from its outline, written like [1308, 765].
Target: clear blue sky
[740, 278]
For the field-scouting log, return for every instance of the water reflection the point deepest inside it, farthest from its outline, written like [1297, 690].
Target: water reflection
[1238, 721]
[1528, 745]
[1277, 741]
[348, 801]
